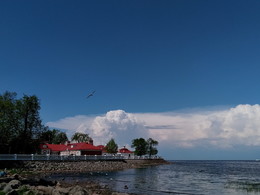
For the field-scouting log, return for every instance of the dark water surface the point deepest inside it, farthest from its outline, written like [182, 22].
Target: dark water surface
[181, 177]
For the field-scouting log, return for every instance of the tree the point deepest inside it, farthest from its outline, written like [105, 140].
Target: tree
[61, 137]
[112, 147]
[20, 123]
[54, 136]
[140, 146]
[81, 137]
[151, 150]
[29, 126]
[8, 120]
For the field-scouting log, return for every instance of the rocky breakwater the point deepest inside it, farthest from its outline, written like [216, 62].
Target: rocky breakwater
[86, 166]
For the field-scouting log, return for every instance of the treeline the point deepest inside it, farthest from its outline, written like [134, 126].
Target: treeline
[20, 123]
[141, 146]
[21, 128]
[22, 131]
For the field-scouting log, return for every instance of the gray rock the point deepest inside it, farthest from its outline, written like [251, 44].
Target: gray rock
[78, 190]
[56, 192]
[29, 192]
[13, 184]
[2, 186]
[60, 191]
[7, 188]
[45, 189]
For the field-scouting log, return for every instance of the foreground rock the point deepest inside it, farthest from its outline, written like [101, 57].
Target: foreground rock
[16, 185]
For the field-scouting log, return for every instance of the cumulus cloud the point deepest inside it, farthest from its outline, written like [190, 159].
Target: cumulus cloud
[223, 128]
[117, 124]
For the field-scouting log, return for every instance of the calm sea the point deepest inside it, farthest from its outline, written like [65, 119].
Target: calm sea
[182, 177]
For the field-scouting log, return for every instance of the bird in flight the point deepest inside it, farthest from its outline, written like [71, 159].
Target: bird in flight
[91, 94]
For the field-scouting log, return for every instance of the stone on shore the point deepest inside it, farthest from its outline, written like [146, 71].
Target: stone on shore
[13, 184]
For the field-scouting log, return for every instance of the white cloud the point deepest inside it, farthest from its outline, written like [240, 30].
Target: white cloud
[218, 128]
[117, 124]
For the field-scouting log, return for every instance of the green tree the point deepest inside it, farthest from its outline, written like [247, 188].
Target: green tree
[54, 136]
[140, 146]
[8, 120]
[112, 147]
[30, 126]
[151, 150]
[81, 137]
[20, 123]
[61, 137]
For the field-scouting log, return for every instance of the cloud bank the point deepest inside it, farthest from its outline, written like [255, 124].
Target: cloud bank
[225, 128]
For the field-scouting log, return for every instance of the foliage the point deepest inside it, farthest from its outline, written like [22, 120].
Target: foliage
[143, 147]
[54, 136]
[20, 123]
[81, 137]
[112, 147]
[8, 120]
[61, 137]
[140, 146]
[151, 150]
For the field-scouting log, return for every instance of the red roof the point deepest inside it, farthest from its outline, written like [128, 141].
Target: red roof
[54, 147]
[82, 146]
[102, 147]
[73, 146]
[125, 150]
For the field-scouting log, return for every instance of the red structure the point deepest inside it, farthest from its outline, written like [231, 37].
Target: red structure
[71, 149]
[124, 150]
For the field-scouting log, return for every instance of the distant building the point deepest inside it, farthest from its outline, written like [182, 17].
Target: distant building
[122, 152]
[76, 149]
[126, 153]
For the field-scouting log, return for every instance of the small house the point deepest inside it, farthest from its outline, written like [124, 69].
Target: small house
[126, 153]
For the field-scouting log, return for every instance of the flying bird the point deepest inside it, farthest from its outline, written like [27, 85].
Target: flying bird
[91, 94]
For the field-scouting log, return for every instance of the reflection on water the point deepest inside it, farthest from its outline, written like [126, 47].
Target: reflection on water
[182, 177]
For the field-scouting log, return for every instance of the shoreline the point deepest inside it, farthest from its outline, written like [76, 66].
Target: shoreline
[36, 171]
[46, 167]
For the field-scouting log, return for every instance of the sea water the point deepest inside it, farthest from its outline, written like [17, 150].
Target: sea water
[182, 177]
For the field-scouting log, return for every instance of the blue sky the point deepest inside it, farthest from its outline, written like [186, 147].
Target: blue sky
[143, 58]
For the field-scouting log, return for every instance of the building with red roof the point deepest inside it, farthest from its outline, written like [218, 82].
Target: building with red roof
[71, 149]
[126, 153]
